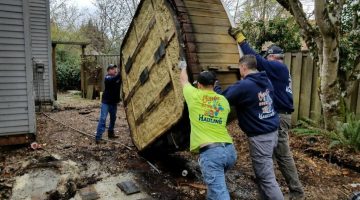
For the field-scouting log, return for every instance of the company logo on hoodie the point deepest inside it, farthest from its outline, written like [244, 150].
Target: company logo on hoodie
[266, 104]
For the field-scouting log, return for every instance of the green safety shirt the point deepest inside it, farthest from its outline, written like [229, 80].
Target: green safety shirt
[208, 113]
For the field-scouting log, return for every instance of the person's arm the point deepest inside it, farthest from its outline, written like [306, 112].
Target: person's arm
[233, 93]
[262, 63]
[111, 79]
[184, 79]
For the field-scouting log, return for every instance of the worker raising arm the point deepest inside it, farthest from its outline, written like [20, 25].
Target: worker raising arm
[208, 114]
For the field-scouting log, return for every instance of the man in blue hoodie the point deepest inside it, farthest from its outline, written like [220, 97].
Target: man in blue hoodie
[109, 101]
[252, 97]
[279, 76]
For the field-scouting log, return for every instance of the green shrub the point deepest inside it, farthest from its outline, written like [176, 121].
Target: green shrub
[68, 70]
[346, 135]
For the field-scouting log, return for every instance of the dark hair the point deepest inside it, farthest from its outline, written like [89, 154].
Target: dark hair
[249, 61]
[206, 78]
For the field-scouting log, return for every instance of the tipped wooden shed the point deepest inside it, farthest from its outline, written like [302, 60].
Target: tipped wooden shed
[162, 33]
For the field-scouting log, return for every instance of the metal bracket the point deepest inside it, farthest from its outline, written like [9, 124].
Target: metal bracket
[128, 65]
[160, 52]
[144, 76]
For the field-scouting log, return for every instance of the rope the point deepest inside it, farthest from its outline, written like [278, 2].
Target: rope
[82, 132]
[236, 8]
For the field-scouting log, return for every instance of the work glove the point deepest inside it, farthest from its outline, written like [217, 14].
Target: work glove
[237, 34]
[182, 64]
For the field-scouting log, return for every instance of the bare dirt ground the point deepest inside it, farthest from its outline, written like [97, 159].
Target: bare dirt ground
[83, 164]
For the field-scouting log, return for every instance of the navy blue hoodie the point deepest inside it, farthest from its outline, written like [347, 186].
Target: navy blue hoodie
[252, 98]
[279, 76]
[111, 93]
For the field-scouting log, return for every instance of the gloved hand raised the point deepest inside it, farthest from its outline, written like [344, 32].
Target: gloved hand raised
[237, 34]
[182, 64]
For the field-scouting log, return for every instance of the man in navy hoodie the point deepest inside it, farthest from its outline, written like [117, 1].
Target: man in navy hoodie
[279, 76]
[109, 101]
[252, 98]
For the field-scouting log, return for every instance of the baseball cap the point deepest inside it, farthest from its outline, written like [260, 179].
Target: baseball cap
[206, 78]
[273, 49]
[110, 66]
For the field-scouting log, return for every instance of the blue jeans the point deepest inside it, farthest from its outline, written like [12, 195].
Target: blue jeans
[105, 109]
[214, 163]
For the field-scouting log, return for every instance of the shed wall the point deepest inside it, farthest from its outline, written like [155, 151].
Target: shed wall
[17, 113]
[40, 49]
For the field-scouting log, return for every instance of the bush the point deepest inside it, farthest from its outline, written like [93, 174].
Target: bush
[68, 71]
[347, 133]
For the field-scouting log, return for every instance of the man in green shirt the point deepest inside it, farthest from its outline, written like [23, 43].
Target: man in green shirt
[208, 112]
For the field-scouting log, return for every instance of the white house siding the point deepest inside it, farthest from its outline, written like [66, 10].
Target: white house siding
[40, 48]
[17, 113]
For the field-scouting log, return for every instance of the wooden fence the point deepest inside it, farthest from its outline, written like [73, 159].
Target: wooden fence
[93, 70]
[305, 82]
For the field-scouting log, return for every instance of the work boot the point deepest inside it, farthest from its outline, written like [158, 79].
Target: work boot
[111, 135]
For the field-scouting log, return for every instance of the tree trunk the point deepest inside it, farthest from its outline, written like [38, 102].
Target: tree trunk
[330, 91]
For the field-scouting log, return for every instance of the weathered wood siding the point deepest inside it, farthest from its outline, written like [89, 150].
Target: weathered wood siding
[40, 48]
[17, 114]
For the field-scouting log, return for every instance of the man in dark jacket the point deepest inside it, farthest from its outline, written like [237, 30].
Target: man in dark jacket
[279, 76]
[110, 99]
[252, 98]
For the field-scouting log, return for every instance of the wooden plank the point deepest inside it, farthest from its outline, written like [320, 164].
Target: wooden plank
[207, 13]
[296, 84]
[7, 27]
[315, 112]
[12, 60]
[13, 111]
[11, 15]
[203, 20]
[220, 30]
[12, 47]
[203, 5]
[12, 92]
[11, 8]
[13, 117]
[15, 79]
[12, 73]
[205, 1]
[13, 123]
[11, 21]
[287, 60]
[16, 130]
[12, 98]
[11, 2]
[12, 54]
[216, 48]
[14, 104]
[306, 84]
[11, 67]
[212, 38]
[11, 41]
[12, 86]
[217, 58]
